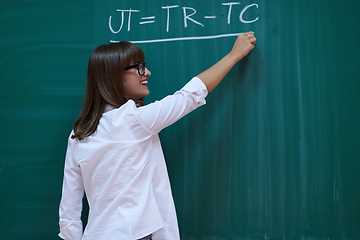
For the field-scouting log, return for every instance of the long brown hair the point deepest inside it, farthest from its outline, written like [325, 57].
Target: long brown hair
[105, 84]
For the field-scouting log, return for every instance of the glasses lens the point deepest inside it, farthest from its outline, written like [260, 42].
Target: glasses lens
[141, 68]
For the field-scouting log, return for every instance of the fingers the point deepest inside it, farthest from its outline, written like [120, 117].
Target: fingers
[253, 40]
[250, 36]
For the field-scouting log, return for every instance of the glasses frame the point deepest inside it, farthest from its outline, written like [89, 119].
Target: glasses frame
[138, 67]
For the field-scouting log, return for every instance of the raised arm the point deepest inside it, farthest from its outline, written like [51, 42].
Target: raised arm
[243, 45]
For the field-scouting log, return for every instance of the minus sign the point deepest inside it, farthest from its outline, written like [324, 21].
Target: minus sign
[210, 17]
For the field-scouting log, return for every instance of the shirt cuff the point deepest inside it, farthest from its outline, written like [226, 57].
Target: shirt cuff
[195, 85]
[70, 230]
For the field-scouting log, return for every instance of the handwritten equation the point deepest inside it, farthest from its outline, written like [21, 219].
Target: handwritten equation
[188, 16]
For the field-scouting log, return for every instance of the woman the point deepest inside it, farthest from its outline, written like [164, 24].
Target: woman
[114, 152]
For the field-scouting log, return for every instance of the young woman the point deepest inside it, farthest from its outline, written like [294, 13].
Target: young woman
[114, 153]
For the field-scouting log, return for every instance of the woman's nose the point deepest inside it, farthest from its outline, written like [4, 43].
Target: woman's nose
[147, 72]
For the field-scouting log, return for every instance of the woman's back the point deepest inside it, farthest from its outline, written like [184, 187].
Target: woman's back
[123, 170]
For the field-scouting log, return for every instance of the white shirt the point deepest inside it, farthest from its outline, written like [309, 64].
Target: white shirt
[122, 169]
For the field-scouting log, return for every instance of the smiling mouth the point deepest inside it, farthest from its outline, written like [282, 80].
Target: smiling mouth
[144, 82]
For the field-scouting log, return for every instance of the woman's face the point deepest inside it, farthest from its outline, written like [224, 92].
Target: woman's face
[136, 86]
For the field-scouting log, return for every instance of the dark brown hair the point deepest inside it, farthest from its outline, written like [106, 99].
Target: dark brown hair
[105, 84]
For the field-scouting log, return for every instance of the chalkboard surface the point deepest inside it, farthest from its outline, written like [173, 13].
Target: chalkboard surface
[273, 155]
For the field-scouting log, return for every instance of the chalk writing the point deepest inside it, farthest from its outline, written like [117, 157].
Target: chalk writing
[189, 17]
[148, 18]
[230, 7]
[188, 13]
[183, 38]
[243, 11]
[122, 19]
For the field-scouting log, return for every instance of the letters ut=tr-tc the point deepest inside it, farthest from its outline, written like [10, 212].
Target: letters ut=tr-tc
[186, 13]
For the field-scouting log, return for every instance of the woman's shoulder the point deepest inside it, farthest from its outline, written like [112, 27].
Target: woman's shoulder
[126, 107]
[116, 116]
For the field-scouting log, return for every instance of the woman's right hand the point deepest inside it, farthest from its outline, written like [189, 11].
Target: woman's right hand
[243, 45]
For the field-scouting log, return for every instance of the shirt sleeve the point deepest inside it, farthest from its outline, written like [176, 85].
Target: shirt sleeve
[160, 114]
[71, 200]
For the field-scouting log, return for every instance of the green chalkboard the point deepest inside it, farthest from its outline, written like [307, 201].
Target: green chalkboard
[273, 155]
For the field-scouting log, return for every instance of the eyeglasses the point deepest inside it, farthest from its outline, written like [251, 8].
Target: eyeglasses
[140, 67]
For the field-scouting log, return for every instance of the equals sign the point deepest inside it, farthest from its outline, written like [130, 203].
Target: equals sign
[149, 20]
